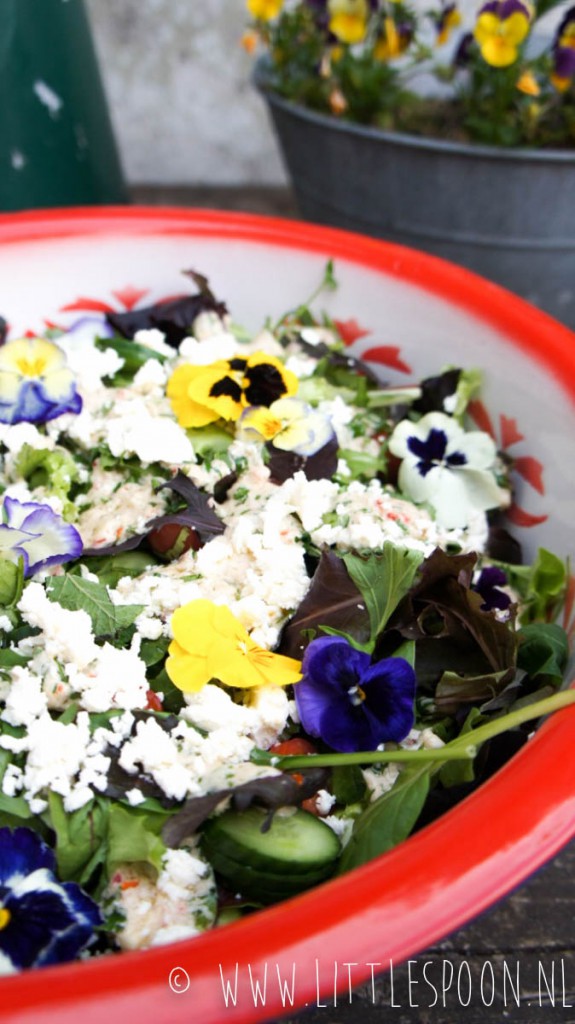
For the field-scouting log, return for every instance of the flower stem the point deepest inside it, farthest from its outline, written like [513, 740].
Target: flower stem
[291, 762]
[462, 748]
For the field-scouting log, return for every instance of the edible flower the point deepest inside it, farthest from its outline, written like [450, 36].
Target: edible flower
[35, 383]
[501, 27]
[42, 921]
[487, 585]
[447, 19]
[200, 395]
[348, 20]
[264, 10]
[210, 643]
[289, 424]
[350, 703]
[36, 534]
[448, 467]
[393, 40]
[564, 53]
[528, 84]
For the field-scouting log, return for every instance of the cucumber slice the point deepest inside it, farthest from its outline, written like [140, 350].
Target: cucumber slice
[298, 845]
[261, 886]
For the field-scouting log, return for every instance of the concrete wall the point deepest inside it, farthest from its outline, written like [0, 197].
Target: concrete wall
[178, 83]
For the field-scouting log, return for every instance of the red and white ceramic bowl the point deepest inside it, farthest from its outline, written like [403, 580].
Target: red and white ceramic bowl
[410, 314]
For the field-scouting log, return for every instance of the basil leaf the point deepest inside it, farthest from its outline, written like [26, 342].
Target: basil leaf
[80, 837]
[111, 568]
[541, 585]
[348, 784]
[457, 773]
[387, 821]
[76, 593]
[134, 836]
[383, 581]
[543, 650]
[11, 581]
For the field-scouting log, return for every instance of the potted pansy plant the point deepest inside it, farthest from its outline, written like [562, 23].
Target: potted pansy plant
[456, 139]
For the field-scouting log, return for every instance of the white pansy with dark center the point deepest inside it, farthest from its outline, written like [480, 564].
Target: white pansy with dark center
[451, 469]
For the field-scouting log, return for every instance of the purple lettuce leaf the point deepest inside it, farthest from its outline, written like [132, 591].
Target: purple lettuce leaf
[434, 391]
[333, 600]
[321, 466]
[173, 317]
[271, 791]
[452, 633]
[198, 515]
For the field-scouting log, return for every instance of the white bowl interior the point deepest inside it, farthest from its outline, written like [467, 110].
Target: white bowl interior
[258, 279]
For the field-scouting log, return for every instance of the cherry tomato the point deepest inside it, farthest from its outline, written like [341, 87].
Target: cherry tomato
[297, 745]
[170, 541]
[154, 701]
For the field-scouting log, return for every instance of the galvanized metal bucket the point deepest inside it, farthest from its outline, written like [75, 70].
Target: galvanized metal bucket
[508, 214]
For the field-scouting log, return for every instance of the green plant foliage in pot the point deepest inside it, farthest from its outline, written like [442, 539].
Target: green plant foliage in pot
[479, 171]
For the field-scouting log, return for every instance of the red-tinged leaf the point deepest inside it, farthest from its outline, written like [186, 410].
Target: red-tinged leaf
[519, 517]
[333, 600]
[350, 331]
[174, 318]
[532, 471]
[387, 355]
[198, 517]
[445, 618]
[129, 296]
[51, 326]
[509, 432]
[480, 416]
[84, 305]
[320, 466]
[271, 791]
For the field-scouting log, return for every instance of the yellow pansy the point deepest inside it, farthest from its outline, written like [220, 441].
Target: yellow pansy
[210, 643]
[348, 20]
[501, 27]
[528, 84]
[292, 425]
[264, 10]
[392, 42]
[200, 395]
[449, 18]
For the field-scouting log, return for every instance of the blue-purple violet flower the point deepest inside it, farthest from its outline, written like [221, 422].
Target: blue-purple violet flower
[36, 534]
[351, 703]
[42, 921]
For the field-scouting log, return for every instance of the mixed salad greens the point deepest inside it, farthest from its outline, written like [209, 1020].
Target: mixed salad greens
[260, 618]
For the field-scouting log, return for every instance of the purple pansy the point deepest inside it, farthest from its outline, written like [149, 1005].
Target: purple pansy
[351, 703]
[42, 921]
[36, 534]
[487, 585]
[564, 52]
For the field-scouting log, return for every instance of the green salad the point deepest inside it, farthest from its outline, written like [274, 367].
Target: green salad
[260, 618]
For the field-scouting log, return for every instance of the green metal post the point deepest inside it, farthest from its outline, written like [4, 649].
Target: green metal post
[57, 146]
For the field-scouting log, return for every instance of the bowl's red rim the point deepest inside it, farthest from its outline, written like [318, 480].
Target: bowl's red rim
[438, 879]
